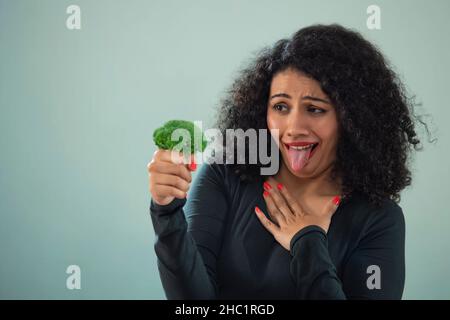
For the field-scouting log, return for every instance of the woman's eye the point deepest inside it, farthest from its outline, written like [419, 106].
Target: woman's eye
[279, 107]
[315, 110]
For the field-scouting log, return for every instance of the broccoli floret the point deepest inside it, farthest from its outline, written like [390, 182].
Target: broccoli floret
[162, 136]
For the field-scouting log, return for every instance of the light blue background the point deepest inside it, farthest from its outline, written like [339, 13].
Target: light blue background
[78, 109]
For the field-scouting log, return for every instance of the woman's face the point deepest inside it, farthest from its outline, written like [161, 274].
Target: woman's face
[302, 112]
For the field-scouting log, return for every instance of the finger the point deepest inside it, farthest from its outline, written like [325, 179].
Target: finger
[171, 180]
[166, 191]
[332, 205]
[293, 204]
[170, 168]
[175, 157]
[280, 203]
[271, 227]
[192, 166]
[274, 213]
[171, 156]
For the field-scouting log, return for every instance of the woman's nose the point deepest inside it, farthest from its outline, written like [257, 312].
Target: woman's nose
[297, 126]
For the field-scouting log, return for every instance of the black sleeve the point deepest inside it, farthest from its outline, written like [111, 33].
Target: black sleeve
[382, 247]
[189, 236]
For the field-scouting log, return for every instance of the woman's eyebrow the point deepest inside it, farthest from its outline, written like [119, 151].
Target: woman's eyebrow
[285, 95]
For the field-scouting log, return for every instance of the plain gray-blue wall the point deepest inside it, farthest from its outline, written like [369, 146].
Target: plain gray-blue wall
[78, 108]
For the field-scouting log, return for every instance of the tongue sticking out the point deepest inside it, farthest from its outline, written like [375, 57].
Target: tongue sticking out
[298, 158]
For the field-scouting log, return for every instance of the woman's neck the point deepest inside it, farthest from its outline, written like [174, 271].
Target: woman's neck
[307, 187]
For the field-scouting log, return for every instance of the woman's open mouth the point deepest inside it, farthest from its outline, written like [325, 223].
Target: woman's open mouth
[300, 155]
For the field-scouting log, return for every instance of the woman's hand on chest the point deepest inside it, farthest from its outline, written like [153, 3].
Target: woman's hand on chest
[289, 216]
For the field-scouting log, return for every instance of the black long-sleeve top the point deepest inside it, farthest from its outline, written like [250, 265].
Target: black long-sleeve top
[212, 246]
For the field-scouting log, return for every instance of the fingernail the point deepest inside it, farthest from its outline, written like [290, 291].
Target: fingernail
[267, 186]
[265, 193]
[336, 200]
[257, 210]
[186, 195]
[279, 186]
[193, 166]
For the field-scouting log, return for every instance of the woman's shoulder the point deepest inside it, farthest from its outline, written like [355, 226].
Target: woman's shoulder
[223, 178]
[220, 172]
[372, 217]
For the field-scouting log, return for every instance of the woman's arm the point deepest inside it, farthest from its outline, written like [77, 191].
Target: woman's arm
[189, 236]
[381, 250]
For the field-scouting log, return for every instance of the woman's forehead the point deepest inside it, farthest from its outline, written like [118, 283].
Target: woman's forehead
[295, 84]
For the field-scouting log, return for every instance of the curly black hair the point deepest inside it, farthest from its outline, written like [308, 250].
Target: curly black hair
[375, 115]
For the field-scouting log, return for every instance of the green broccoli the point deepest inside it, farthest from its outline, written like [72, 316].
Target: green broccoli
[162, 136]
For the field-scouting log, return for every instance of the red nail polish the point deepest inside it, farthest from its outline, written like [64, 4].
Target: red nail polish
[265, 193]
[279, 186]
[336, 200]
[193, 166]
[267, 186]
[257, 210]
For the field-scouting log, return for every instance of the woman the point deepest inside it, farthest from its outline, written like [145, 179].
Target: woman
[327, 225]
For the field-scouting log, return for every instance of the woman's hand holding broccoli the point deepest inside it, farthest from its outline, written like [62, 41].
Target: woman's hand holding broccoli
[169, 180]
[169, 172]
